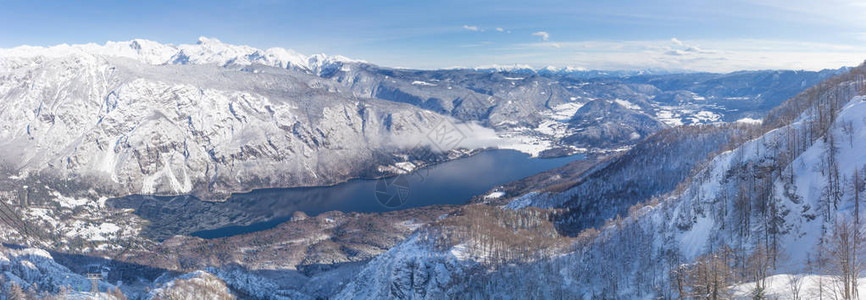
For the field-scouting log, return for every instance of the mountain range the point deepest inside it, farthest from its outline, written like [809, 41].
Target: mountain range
[695, 184]
[210, 118]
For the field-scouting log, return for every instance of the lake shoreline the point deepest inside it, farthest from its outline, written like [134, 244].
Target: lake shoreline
[453, 182]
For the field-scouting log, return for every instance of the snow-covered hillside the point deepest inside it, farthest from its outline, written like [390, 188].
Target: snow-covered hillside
[74, 113]
[81, 123]
[35, 271]
[212, 118]
[205, 51]
[775, 204]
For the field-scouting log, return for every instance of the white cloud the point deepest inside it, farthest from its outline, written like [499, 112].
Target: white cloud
[471, 27]
[680, 48]
[677, 55]
[543, 34]
[704, 55]
[500, 29]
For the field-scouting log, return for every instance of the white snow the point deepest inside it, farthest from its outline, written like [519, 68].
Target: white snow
[627, 104]
[406, 166]
[810, 286]
[69, 202]
[705, 116]
[504, 68]
[93, 232]
[32, 265]
[198, 284]
[526, 144]
[565, 111]
[205, 51]
[494, 195]
[555, 120]
[809, 182]
[424, 83]
[750, 121]
[459, 251]
[669, 117]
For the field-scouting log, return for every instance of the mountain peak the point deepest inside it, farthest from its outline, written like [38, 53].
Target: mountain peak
[206, 40]
[206, 50]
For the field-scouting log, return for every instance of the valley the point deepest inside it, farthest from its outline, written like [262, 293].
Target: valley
[267, 174]
[449, 183]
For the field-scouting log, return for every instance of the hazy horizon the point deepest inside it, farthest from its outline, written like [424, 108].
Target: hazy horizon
[615, 35]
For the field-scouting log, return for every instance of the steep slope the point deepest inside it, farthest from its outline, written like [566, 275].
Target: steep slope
[769, 205]
[538, 105]
[653, 167]
[448, 258]
[197, 285]
[27, 268]
[212, 118]
[128, 127]
[609, 123]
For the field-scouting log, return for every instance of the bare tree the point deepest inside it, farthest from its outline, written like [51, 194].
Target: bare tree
[833, 192]
[814, 265]
[843, 250]
[710, 275]
[795, 285]
[856, 189]
[759, 268]
[848, 129]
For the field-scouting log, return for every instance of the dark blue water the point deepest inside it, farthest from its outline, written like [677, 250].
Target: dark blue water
[453, 182]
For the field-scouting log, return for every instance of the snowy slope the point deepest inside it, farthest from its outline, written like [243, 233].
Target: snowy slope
[205, 51]
[28, 266]
[130, 127]
[195, 285]
[802, 199]
[411, 270]
[154, 117]
[770, 192]
[212, 118]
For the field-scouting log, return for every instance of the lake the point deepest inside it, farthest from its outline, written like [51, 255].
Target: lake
[453, 182]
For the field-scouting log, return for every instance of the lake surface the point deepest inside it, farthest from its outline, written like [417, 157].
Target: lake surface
[453, 182]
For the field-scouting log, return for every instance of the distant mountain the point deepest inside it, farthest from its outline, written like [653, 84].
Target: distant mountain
[698, 175]
[574, 72]
[712, 210]
[205, 51]
[209, 126]
[212, 118]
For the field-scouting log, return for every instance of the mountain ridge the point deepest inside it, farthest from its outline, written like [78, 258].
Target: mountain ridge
[767, 203]
[208, 50]
[223, 110]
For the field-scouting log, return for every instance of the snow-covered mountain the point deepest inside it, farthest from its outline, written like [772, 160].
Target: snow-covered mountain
[212, 118]
[575, 72]
[779, 202]
[36, 271]
[205, 51]
[79, 123]
[90, 114]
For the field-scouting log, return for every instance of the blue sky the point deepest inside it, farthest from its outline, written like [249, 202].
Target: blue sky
[617, 34]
